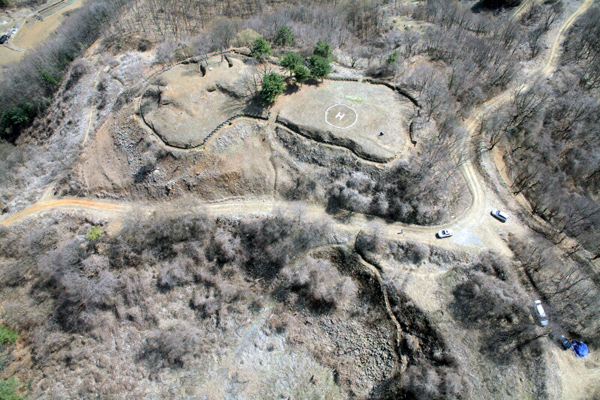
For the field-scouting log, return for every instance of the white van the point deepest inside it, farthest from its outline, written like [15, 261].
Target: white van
[500, 215]
[541, 313]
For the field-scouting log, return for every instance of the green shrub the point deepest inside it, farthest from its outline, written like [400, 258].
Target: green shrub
[301, 73]
[7, 335]
[12, 120]
[49, 78]
[284, 36]
[323, 50]
[8, 389]
[94, 233]
[183, 52]
[392, 58]
[261, 48]
[319, 66]
[273, 85]
[291, 61]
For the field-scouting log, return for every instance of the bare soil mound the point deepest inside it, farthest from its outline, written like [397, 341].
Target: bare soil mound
[140, 167]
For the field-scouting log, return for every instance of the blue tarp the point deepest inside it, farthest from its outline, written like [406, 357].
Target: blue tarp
[581, 350]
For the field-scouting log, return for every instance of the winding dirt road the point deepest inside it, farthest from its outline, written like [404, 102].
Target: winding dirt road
[486, 234]
[555, 51]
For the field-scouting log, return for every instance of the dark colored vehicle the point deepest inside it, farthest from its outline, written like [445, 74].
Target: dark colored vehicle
[566, 344]
[4, 39]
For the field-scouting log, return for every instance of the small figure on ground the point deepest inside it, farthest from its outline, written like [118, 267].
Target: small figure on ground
[381, 133]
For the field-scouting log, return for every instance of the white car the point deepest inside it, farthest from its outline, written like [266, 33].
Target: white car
[499, 215]
[444, 233]
[541, 313]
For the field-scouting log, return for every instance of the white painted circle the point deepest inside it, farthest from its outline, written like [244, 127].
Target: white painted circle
[341, 116]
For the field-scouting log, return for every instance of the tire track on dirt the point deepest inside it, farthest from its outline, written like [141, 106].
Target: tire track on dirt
[91, 110]
[67, 203]
[556, 48]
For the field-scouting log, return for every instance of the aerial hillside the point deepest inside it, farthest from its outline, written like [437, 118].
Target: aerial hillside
[299, 200]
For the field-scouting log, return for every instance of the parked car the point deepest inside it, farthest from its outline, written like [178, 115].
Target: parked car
[444, 233]
[541, 313]
[499, 215]
[566, 344]
[3, 39]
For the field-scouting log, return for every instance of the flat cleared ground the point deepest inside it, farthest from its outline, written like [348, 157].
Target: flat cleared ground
[351, 114]
[35, 31]
[9, 56]
[183, 108]
[190, 105]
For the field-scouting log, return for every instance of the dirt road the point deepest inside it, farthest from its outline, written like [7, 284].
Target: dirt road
[74, 204]
[555, 51]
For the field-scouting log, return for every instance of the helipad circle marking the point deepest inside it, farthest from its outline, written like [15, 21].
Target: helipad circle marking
[341, 116]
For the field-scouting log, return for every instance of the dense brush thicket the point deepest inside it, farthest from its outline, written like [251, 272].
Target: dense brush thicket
[500, 310]
[191, 17]
[422, 190]
[67, 279]
[401, 194]
[582, 48]
[85, 276]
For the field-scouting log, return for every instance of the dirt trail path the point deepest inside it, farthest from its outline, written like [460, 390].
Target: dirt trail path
[349, 223]
[525, 6]
[92, 110]
[493, 104]
[79, 204]
[556, 48]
